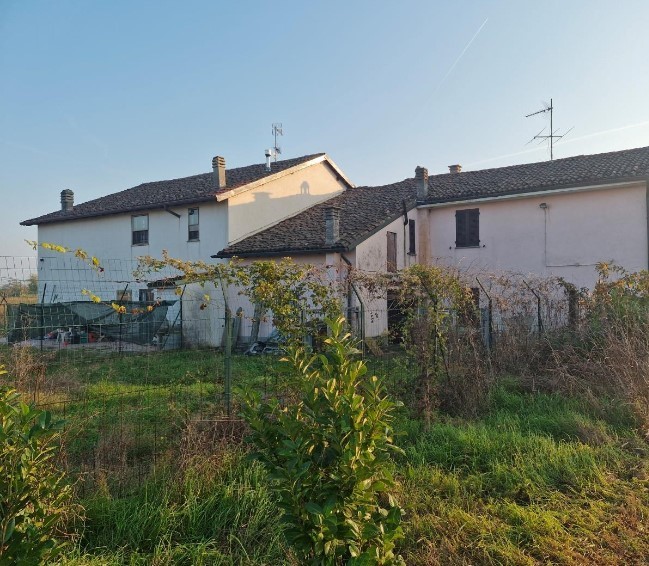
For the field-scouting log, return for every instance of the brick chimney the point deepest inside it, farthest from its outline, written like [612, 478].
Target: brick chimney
[218, 174]
[332, 225]
[457, 168]
[421, 177]
[67, 200]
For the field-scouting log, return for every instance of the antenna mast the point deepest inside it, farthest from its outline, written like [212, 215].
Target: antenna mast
[277, 131]
[553, 135]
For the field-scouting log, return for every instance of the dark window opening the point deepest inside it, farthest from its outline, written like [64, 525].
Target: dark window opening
[467, 228]
[146, 295]
[392, 251]
[411, 237]
[140, 229]
[192, 215]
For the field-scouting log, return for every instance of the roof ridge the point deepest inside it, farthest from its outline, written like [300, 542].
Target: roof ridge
[166, 192]
[545, 162]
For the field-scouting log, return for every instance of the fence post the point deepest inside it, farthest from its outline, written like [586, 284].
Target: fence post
[120, 317]
[43, 315]
[490, 329]
[573, 307]
[227, 361]
[539, 319]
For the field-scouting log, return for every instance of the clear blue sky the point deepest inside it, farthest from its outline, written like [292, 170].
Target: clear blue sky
[100, 96]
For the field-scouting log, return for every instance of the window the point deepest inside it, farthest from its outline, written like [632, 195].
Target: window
[124, 295]
[146, 295]
[140, 229]
[411, 237]
[392, 251]
[467, 228]
[192, 216]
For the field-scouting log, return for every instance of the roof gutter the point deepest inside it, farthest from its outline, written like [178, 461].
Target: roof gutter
[140, 208]
[281, 253]
[647, 212]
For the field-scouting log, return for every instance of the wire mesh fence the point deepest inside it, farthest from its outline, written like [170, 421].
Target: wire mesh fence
[142, 367]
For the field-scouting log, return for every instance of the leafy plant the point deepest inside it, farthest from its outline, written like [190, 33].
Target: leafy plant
[329, 457]
[34, 497]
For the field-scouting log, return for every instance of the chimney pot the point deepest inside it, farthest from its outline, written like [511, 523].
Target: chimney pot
[457, 168]
[67, 200]
[218, 171]
[421, 177]
[332, 225]
[269, 154]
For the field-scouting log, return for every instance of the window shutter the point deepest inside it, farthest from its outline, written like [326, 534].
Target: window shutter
[473, 227]
[460, 228]
[392, 252]
[467, 228]
[411, 237]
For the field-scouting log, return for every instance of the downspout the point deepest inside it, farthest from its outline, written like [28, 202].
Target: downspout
[647, 211]
[354, 290]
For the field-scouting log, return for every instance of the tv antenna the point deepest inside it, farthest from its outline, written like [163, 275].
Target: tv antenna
[277, 131]
[553, 135]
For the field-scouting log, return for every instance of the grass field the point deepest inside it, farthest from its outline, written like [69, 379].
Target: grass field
[535, 479]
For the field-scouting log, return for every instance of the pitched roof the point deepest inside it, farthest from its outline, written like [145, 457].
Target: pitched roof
[363, 210]
[160, 194]
[601, 168]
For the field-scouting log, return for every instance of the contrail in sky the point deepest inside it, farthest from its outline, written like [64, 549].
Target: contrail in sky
[602, 132]
[562, 142]
[466, 48]
[450, 70]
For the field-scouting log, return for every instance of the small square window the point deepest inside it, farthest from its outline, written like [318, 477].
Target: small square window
[140, 230]
[467, 228]
[124, 295]
[192, 221]
[146, 295]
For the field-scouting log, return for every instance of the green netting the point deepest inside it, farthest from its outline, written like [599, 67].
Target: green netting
[137, 325]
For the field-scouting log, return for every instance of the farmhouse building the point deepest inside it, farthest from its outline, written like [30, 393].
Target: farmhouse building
[553, 218]
[556, 217]
[190, 217]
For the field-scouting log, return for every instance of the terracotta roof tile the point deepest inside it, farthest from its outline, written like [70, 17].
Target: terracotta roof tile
[364, 210]
[159, 194]
[545, 175]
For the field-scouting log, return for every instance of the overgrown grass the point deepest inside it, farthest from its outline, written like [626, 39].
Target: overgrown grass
[537, 478]
[218, 511]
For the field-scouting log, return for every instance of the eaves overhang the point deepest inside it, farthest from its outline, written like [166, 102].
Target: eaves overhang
[535, 192]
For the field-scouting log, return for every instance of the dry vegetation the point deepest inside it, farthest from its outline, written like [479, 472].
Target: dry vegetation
[534, 450]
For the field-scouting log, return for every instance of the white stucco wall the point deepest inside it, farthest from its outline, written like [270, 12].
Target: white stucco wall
[263, 206]
[371, 257]
[109, 239]
[575, 231]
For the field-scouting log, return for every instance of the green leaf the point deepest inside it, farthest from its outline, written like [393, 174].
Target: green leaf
[313, 508]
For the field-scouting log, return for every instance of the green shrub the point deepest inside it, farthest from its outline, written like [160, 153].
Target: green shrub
[34, 497]
[329, 457]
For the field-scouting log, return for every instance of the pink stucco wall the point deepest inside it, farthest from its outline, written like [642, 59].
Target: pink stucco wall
[575, 231]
